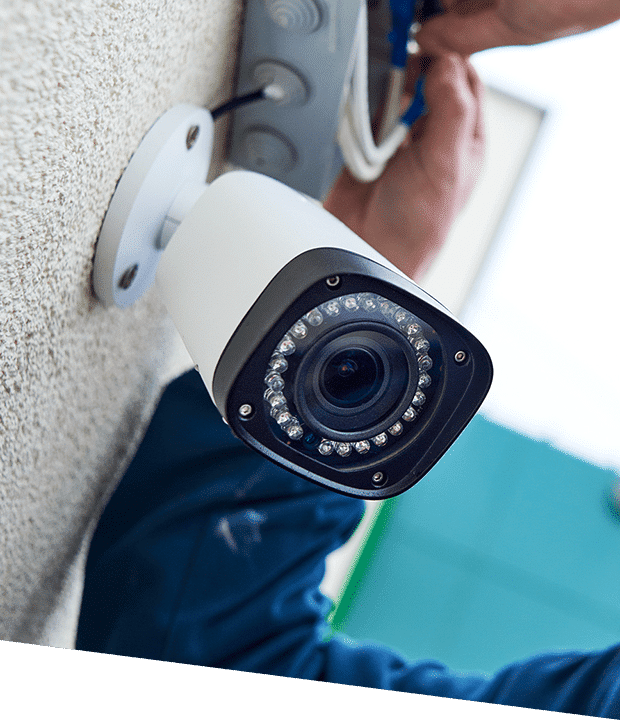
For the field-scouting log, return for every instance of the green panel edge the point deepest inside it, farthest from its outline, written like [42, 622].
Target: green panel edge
[357, 573]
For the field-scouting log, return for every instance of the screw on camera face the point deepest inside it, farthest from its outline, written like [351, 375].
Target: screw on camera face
[246, 410]
[379, 479]
[333, 282]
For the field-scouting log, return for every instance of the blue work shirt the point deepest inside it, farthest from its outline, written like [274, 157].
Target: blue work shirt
[208, 554]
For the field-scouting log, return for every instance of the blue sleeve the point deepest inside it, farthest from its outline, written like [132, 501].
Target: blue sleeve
[207, 554]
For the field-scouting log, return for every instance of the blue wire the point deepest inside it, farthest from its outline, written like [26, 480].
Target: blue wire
[418, 105]
[402, 17]
[404, 14]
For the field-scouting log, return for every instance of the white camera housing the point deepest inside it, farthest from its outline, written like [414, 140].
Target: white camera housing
[317, 351]
[243, 229]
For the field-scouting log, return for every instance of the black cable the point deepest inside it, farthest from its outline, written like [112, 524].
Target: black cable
[237, 102]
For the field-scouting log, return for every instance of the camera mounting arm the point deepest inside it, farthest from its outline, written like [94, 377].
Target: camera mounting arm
[164, 178]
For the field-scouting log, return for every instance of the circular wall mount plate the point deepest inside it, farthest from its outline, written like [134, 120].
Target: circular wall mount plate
[175, 152]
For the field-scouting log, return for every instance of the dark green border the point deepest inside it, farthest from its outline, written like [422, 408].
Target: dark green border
[40, 682]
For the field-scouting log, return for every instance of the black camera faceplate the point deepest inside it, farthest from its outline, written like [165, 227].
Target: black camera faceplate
[461, 374]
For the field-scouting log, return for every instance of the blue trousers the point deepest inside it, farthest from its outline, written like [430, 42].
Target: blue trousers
[207, 554]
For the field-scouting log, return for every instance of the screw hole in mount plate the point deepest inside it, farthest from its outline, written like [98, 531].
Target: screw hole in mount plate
[128, 277]
[192, 136]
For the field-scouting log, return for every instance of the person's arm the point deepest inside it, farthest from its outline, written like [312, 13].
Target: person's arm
[407, 212]
[208, 554]
[469, 26]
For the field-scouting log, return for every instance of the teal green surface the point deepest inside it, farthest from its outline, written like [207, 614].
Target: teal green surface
[505, 549]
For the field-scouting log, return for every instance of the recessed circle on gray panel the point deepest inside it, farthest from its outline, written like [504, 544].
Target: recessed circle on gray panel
[268, 151]
[293, 85]
[302, 16]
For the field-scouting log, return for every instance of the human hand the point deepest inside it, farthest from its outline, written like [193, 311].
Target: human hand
[407, 212]
[472, 25]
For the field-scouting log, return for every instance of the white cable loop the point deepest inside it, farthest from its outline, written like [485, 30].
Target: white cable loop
[392, 110]
[363, 157]
[353, 156]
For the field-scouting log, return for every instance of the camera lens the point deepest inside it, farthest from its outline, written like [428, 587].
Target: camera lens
[355, 380]
[351, 377]
[345, 377]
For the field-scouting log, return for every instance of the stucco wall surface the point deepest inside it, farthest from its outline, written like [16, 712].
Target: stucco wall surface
[81, 81]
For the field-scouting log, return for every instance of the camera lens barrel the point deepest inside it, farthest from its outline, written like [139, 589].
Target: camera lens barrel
[356, 380]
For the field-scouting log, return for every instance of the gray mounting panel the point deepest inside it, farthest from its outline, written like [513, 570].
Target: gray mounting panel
[295, 143]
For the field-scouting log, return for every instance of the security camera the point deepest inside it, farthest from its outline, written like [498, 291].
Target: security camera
[318, 353]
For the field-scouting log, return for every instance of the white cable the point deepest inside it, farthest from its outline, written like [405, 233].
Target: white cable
[388, 148]
[392, 110]
[353, 156]
[363, 157]
[274, 92]
[359, 101]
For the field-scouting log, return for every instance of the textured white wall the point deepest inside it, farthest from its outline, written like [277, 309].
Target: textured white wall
[81, 81]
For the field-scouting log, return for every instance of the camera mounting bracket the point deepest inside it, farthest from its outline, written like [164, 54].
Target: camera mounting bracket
[162, 181]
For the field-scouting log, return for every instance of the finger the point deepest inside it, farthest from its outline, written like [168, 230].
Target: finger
[472, 25]
[416, 65]
[452, 117]
[477, 89]
[469, 33]
[419, 64]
